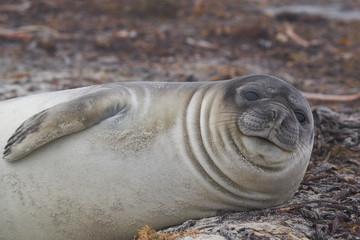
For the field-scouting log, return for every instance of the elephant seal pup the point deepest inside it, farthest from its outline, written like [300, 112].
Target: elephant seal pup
[102, 161]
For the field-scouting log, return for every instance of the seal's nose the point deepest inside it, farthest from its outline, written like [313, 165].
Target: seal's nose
[277, 112]
[272, 115]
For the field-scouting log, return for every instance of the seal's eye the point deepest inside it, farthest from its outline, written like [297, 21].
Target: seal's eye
[252, 95]
[300, 117]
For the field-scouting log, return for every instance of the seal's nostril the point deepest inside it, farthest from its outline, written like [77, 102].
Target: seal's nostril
[272, 115]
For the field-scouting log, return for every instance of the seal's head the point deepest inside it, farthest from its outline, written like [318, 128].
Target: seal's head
[259, 141]
[274, 120]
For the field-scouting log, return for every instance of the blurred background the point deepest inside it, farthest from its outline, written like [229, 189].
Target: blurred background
[48, 45]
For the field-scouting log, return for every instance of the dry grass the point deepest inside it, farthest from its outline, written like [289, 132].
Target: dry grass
[146, 233]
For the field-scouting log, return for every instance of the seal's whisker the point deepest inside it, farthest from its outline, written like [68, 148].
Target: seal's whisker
[303, 143]
[302, 149]
[222, 121]
[228, 113]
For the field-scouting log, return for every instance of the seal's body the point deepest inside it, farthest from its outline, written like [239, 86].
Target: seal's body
[100, 162]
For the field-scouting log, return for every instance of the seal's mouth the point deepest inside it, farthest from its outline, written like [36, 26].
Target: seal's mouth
[264, 153]
[266, 141]
[263, 141]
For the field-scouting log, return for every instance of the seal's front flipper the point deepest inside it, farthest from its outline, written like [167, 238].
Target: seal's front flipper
[63, 119]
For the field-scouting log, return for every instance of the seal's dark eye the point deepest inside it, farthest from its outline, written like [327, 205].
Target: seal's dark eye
[252, 96]
[300, 117]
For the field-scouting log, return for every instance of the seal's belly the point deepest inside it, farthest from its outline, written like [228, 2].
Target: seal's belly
[99, 183]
